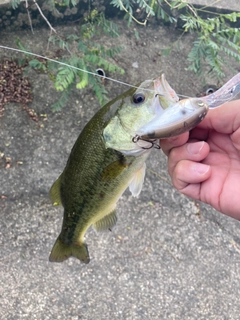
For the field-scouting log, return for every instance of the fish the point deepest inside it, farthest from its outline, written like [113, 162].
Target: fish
[110, 153]
[105, 160]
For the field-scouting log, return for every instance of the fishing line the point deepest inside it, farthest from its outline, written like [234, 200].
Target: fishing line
[214, 100]
[73, 67]
[79, 69]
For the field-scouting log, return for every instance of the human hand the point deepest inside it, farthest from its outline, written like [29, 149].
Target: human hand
[204, 163]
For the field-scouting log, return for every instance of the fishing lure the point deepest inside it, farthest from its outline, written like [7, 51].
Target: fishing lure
[184, 115]
[226, 93]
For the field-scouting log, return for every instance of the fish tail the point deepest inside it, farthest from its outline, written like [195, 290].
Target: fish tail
[62, 251]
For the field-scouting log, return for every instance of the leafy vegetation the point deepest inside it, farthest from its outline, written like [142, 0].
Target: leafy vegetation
[216, 38]
[80, 56]
[215, 41]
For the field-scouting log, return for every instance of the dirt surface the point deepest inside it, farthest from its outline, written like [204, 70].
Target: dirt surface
[168, 257]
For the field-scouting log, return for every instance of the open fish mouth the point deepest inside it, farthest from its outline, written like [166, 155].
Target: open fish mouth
[176, 119]
[179, 116]
[176, 116]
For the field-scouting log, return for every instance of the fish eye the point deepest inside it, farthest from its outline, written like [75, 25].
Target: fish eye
[138, 98]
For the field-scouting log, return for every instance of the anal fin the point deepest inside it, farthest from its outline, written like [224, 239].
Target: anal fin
[107, 222]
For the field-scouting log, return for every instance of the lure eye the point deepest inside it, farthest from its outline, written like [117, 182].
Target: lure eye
[138, 98]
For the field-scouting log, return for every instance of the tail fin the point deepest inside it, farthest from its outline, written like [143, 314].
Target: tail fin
[62, 251]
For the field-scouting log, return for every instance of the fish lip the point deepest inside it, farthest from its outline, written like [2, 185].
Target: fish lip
[162, 88]
[159, 84]
[160, 81]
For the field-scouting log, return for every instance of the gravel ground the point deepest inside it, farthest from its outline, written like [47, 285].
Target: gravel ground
[167, 258]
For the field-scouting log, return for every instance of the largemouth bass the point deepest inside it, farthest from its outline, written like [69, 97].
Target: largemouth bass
[106, 159]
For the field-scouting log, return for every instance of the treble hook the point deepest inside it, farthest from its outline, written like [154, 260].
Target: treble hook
[152, 142]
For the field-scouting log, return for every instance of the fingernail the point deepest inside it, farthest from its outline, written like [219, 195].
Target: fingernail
[201, 168]
[195, 148]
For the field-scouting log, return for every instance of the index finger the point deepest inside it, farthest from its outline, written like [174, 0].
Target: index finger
[168, 144]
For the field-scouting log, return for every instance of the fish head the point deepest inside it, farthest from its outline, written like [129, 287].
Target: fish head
[133, 110]
[150, 112]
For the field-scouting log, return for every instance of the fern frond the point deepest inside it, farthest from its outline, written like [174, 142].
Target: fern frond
[83, 80]
[98, 89]
[64, 78]
[15, 3]
[143, 4]
[100, 62]
[36, 64]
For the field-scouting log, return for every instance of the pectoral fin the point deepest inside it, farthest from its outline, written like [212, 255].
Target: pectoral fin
[107, 222]
[54, 193]
[136, 183]
[113, 170]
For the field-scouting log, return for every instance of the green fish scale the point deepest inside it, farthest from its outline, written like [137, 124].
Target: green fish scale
[93, 180]
[88, 191]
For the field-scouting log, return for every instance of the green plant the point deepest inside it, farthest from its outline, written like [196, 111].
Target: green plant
[85, 55]
[15, 3]
[216, 38]
[81, 56]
